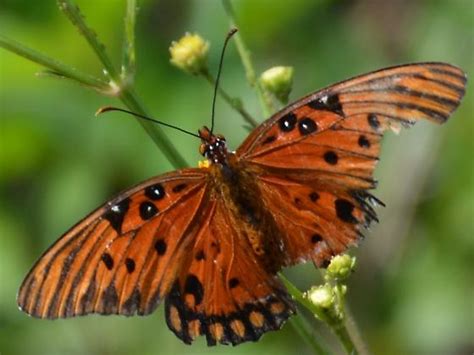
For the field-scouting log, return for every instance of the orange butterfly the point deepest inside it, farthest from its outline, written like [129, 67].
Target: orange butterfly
[210, 240]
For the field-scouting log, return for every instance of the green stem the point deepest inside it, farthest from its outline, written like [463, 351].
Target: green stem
[235, 103]
[130, 99]
[301, 326]
[124, 90]
[265, 100]
[71, 10]
[128, 51]
[346, 340]
[338, 327]
[298, 296]
[55, 66]
[354, 332]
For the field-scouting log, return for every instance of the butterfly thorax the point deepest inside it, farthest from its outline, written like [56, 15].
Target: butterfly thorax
[213, 147]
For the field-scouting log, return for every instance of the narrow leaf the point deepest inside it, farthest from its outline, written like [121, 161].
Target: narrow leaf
[56, 66]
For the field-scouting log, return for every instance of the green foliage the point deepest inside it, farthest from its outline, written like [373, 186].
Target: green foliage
[412, 291]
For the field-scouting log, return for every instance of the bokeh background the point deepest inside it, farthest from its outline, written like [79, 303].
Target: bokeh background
[412, 291]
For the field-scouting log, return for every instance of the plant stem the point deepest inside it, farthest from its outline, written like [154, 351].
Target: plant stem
[56, 66]
[265, 100]
[344, 337]
[298, 296]
[71, 10]
[130, 99]
[235, 103]
[354, 332]
[124, 90]
[338, 328]
[128, 50]
[300, 324]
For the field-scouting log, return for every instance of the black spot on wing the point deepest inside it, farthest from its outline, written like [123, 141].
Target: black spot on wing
[180, 187]
[316, 238]
[288, 122]
[116, 214]
[233, 282]
[130, 265]
[344, 210]
[314, 196]
[328, 103]
[269, 140]
[200, 255]
[160, 246]
[107, 260]
[193, 286]
[307, 126]
[155, 192]
[330, 157]
[373, 121]
[363, 142]
[147, 210]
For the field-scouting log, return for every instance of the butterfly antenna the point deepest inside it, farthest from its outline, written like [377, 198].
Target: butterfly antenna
[216, 85]
[111, 108]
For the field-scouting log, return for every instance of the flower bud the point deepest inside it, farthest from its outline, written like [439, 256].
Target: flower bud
[321, 296]
[190, 53]
[340, 267]
[278, 81]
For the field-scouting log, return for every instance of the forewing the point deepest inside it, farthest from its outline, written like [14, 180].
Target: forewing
[382, 99]
[123, 257]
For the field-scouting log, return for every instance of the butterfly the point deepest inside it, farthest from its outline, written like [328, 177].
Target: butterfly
[209, 241]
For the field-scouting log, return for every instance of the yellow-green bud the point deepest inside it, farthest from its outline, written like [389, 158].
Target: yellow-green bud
[340, 267]
[190, 53]
[321, 296]
[278, 81]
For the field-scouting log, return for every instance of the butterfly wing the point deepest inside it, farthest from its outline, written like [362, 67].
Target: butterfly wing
[225, 293]
[144, 246]
[124, 257]
[317, 156]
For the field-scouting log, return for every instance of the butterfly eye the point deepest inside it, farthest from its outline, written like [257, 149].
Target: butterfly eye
[202, 149]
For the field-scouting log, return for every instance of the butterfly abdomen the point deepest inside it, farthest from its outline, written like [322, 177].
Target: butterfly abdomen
[236, 184]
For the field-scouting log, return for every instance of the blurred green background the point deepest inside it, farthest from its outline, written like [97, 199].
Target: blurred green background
[413, 288]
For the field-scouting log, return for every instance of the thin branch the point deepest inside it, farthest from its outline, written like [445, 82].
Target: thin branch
[54, 65]
[235, 103]
[301, 326]
[71, 10]
[128, 50]
[125, 91]
[265, 100]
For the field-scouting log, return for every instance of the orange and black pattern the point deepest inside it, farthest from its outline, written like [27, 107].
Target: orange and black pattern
[210, 240]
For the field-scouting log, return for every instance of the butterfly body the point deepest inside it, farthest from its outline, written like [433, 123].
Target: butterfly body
[210, 240]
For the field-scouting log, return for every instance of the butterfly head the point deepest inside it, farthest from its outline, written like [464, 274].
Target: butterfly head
[213, 146]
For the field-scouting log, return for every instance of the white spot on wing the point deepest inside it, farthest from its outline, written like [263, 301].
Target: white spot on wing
[115, 208]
